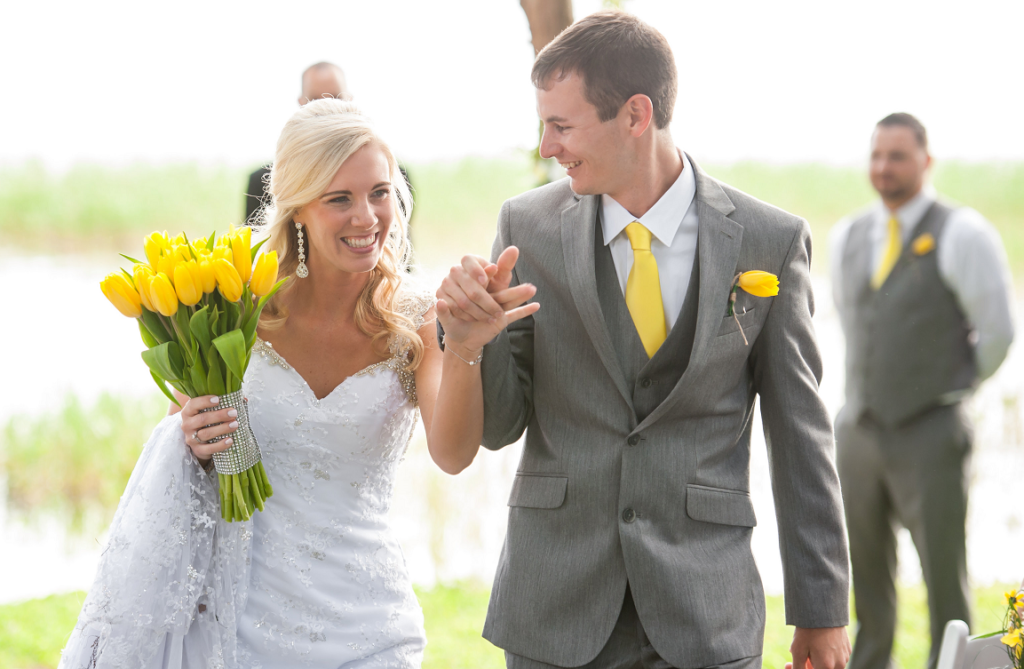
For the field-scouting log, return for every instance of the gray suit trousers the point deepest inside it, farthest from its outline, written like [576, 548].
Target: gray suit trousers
[915, 476]
[628, 648]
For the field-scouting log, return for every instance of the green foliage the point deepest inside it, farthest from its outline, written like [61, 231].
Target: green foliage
[457, 203]
[824, 194]
[106, 207]
[33, 633]
[74, 463]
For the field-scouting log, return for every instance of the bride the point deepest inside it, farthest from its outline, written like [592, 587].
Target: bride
[346, 355]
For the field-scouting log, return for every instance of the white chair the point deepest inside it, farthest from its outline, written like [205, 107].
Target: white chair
[958, 651]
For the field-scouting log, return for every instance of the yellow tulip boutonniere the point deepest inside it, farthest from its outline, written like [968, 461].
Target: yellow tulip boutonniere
[923, 244]
[758, 284]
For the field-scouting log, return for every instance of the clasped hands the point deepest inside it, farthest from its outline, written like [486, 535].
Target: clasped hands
[475, 302]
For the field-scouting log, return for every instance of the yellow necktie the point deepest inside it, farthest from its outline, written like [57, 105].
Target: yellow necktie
[893, 248]
[643, 290]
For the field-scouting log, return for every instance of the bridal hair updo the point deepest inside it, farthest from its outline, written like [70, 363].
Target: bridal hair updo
[313, 145]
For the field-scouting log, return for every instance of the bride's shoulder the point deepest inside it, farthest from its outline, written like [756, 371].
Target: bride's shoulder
[414, 301]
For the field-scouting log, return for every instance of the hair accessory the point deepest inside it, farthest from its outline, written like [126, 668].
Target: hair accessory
[301, 271]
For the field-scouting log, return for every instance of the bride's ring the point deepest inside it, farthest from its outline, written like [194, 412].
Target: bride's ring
[195, 436]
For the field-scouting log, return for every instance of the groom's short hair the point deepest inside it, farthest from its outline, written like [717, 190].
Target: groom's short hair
[618, 56]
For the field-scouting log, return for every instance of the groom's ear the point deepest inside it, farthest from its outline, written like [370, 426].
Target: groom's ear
[639, 111]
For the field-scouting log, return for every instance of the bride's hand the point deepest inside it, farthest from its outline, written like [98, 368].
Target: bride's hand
[200, 428]
[475, 302]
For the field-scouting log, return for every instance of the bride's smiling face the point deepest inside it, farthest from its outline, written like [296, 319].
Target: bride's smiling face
[346, 226]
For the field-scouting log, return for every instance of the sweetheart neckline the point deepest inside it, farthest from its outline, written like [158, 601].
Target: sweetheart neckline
[290, 367]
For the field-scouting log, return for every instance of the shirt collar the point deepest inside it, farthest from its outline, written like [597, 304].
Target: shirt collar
[912, 211]
[662, 219]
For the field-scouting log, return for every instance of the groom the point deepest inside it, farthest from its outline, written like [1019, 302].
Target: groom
[630, 520]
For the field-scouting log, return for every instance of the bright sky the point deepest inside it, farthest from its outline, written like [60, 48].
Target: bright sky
[114, 81]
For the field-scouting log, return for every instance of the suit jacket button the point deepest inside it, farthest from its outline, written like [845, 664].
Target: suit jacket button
[646, 383]
[629, 515]
[634, 440]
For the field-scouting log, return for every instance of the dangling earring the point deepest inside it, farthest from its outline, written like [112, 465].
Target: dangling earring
[301, 271]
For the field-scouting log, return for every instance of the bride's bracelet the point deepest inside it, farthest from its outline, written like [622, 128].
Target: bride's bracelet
[477, 361]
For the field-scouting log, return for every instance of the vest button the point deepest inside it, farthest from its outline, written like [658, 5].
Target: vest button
[634, 440]
[646, 383]
[629, 515]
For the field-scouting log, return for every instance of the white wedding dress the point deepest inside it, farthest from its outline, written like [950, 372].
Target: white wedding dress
[317, 579]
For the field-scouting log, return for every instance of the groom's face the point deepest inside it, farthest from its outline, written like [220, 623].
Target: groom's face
[592, 152]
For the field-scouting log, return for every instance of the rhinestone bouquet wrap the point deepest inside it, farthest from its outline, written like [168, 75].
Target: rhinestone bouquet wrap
[198, 304]
[245, 450]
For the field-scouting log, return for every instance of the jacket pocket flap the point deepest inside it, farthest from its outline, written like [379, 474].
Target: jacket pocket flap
[717, 505]
[538, 491]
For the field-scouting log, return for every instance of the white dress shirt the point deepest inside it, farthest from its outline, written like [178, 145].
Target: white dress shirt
[972, 264]
[673, 225]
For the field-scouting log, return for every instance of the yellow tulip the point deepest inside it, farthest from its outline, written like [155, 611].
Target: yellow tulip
[923, 244]
[228, 281]
[180, 239]
[122, 295]
[188, 284]
[182, 252]
[264, 276]
[206, 274]
[155, 244]
[242, 256]
[161, 293]
[167, 263]
[223, 252]
[143, 274]
[759, 284]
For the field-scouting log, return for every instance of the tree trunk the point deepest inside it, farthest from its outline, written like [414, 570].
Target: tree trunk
[547, 18]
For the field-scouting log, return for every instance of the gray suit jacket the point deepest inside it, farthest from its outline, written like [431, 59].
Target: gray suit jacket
[601, 498]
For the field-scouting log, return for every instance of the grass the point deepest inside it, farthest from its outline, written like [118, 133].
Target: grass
[32, 633]
[457, 203]
[74, 463]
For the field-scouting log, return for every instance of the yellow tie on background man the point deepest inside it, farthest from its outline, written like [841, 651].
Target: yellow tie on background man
[643, 290]
[893, 248]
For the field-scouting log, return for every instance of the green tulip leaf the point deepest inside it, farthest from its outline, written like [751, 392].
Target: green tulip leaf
[257, 247]
[131, 279]
[162, 385]
[155, 326]
[234, 314]
[211, 241]
[199, 325]
[233, 350]
[182, 319]
[215, 377]
[148, 339]
[166, 361]
[137, 262]
[198, 375]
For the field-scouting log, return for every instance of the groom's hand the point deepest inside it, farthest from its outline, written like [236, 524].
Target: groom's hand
[475, 302]
[820, 648]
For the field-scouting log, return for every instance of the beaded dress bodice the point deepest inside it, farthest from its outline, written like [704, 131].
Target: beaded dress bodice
[328, 581]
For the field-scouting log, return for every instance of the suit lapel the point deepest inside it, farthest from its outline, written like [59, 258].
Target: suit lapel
[578, 221]
[719, 240]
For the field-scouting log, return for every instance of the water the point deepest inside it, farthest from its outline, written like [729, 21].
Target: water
[451, 528]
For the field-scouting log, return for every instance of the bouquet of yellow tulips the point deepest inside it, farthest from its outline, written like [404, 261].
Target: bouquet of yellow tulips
[1013, 635]
[198, 304]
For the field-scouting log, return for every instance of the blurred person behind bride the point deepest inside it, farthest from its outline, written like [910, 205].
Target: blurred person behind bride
[345, 357]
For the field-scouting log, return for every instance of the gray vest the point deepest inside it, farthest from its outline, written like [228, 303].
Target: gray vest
[652, 378]
[907, 343]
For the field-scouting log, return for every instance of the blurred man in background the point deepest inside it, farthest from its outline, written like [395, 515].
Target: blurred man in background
[923, 292]
[321, 80]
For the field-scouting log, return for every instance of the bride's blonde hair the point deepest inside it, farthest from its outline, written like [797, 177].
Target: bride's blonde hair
[314, 144]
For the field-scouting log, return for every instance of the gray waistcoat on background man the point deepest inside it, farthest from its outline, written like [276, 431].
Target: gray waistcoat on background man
[907, 343]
